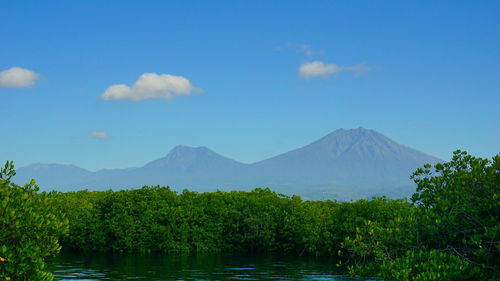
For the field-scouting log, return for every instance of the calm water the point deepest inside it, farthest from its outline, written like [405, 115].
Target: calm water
[73, 266]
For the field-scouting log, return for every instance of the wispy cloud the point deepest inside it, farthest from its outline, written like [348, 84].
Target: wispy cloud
[100, 135]
[324, 70]
[17, 77]
[151, 86]
[422, 124]
[304, 49]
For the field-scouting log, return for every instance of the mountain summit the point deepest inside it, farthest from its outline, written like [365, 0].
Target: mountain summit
[345, 164]
[186, 157]
[348, 159]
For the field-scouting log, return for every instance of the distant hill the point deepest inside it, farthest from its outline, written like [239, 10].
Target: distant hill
[344, 165]
[51, 175]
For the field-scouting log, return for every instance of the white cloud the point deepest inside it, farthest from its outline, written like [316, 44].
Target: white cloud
[100, 135]
[317, 69]
[321, 69]
[151, 86]
[17, 77]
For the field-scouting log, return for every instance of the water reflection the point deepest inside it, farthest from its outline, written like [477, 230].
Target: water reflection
[76, 266]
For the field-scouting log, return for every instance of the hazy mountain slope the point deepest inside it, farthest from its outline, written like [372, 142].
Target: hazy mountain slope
[51, 176]
[182, 167]
[357, 157]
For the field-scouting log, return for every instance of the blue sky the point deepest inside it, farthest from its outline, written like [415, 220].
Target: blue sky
[263, 77]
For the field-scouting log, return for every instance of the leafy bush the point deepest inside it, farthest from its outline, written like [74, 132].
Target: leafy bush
[30, 228]
[459, 202]
[421, 266]
[452, 232]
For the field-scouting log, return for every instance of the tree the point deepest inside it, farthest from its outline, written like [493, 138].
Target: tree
[29, 229]
[451, 231]
[460, 203]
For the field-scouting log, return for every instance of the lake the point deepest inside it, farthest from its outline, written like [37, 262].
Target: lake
[77, 266]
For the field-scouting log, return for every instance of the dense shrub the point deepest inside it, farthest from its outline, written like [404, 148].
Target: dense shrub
[452, 232]
[459, 202]
[421, 266]
[30, 228]
[158, 219]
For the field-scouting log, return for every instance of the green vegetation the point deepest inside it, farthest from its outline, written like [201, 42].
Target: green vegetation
[451, 232]
[30, 227]
[448, 231]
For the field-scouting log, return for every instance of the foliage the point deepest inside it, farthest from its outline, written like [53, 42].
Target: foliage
[460, 203]
[29, 229]
[385, 236]
[421, 266]
[158, 219]
[450, 233]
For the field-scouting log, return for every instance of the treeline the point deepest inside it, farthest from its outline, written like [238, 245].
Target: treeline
[158, 219]
[449, 230]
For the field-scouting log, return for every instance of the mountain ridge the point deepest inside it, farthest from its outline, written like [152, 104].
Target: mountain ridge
[358, 160]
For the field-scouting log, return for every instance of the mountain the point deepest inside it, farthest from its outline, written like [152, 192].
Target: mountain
[345, 160]
[47, 175]
[345, 164]
[182, 167]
